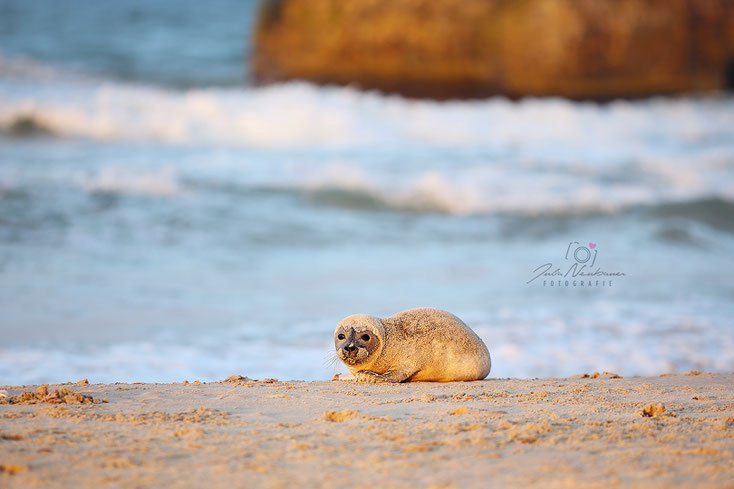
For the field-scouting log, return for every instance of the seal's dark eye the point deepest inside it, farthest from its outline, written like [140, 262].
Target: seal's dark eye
[365, 337]
[341, 336]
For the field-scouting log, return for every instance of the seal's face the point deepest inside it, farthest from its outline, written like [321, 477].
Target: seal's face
[355, 343]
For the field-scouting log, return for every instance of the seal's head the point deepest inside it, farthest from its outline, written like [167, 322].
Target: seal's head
[359, 339]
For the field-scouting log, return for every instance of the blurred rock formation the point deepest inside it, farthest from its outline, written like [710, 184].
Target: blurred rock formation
[580, 49]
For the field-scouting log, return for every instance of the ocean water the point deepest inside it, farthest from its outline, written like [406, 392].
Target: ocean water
[162, 219]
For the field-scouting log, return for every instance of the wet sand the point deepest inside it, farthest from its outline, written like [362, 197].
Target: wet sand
[667, 431]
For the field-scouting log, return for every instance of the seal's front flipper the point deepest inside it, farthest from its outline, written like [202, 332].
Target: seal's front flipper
[370, 377]
[343, 377]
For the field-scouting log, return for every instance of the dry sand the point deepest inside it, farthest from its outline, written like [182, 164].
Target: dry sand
[668, 431]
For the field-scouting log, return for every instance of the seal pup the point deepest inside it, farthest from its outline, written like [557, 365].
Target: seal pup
[422, 344]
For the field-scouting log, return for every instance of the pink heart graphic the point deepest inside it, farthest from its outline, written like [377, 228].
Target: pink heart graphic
[592, 245]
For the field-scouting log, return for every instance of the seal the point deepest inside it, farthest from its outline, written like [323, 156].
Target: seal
[422, 344]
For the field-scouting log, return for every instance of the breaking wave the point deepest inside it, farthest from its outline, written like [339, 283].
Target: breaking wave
[301, 115]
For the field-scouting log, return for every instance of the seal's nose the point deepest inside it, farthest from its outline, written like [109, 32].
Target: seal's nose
[350, 348]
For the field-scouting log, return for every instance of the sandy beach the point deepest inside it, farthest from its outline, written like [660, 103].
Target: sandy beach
[597, 431]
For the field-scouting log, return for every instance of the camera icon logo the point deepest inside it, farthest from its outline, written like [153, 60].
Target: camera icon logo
[581, 254]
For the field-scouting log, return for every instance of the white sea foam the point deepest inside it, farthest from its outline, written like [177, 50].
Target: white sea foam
[466, 188]
[301, 115]
[502, 187]
[526, 343]
[121, 180]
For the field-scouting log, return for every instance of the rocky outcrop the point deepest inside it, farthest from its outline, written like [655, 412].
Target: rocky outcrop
[581, 49]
